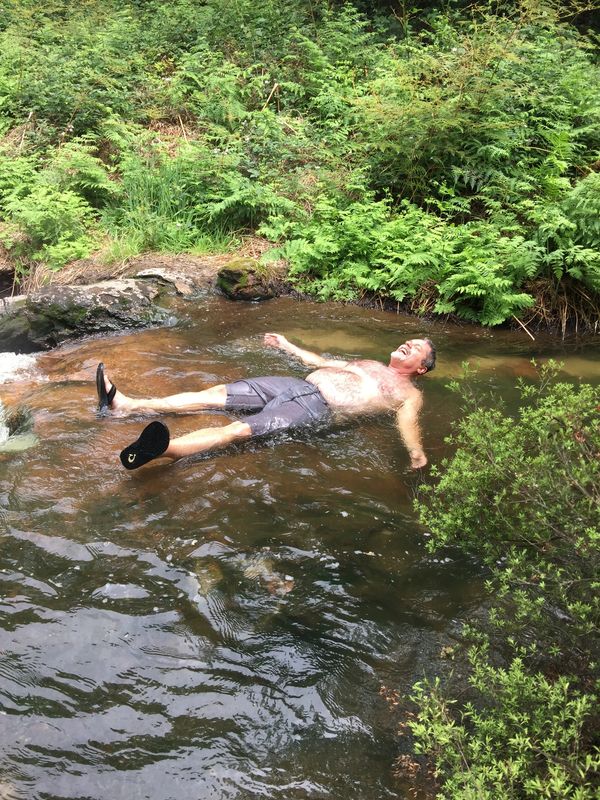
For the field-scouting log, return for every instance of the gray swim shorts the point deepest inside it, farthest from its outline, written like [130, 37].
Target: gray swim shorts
[281, 403]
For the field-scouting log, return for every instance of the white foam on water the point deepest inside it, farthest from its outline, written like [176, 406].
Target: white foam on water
[4, 432]
[16, 366]
[16, 444]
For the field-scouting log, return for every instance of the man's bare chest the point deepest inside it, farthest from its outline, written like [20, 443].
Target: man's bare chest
[361, 385]
[379, 379]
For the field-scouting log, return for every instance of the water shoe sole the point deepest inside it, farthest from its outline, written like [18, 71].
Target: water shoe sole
[153, 442]
[104, 398]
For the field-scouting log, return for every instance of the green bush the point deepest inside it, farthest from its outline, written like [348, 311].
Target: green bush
[73, 70]
[17, 177]
[48, 206]
[210, 89]
[499, 107]
[471, 270]
[75, 166]
[526, 492]
[582, 206]
[522, 493]
[55, 223]
[524, 736]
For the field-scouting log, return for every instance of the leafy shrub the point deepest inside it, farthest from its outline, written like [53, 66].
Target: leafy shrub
[55, 223]
[254, 36]
[169, 30]
[568, 231]
[240, 204]
[48, 207]
[484, 273]
[523, 494]
[527, 492]
[501, 107]
[470, 270]
[582, 206]
[17, 176]
[521, 738]
[73, 69]
[211, 89]
[76, 167]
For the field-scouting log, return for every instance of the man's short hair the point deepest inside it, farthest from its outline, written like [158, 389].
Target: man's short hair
[429, 360]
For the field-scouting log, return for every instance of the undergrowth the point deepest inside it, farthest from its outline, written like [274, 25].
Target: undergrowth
[446, 158]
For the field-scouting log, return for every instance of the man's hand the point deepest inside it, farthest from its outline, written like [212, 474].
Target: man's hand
[276, 340]
[417, 459]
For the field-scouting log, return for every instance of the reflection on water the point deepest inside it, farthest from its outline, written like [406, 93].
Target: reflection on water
[221, 627]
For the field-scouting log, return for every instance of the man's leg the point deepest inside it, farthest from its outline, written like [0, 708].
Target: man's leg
[154, 443]
[183, 403]
[303, 405]
[207, 439]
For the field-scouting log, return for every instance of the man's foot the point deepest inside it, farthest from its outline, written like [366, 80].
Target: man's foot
[110, 399]
[106, 390]
[152, 443]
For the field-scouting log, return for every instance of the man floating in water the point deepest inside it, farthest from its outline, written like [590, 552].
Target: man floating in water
[336, 388]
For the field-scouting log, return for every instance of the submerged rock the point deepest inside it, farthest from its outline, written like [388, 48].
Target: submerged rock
[55, 314]
[16, 429]
[120, 591]
[245, 279]
[209, 576]
[261, 567]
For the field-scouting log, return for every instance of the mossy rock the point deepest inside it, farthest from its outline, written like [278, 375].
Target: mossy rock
[245, 279]
[58, 313]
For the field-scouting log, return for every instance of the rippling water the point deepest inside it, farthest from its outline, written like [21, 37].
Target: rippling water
[221, 627]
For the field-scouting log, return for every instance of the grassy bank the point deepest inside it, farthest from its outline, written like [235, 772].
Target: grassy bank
[445, 158]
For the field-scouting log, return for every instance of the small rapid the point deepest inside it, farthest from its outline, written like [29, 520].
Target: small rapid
[16, 424]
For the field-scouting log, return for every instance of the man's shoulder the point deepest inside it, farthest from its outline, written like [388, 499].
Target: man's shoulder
[407, 394]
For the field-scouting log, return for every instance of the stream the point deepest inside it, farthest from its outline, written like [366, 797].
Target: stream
[225, 627]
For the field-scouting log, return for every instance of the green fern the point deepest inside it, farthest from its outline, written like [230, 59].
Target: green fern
[582, 207]
[75, 166]
[56, 225]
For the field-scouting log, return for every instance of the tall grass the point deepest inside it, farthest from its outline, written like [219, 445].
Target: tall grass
[161, 203]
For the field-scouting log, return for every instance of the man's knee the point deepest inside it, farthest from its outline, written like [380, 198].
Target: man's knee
[217, 392]
[213, 397]
[240, 429]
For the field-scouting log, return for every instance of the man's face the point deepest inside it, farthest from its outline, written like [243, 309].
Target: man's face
[408, 358]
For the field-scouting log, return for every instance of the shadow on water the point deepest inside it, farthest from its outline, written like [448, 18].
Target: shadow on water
[221, 627]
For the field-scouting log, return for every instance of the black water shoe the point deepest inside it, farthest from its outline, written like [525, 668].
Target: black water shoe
[152, 443]
[104, 398]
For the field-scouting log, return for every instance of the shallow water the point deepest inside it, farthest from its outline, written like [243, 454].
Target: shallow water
[222, 627]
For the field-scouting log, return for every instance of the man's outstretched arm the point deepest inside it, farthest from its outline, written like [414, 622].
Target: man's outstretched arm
[306, 356]
[407, 420]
